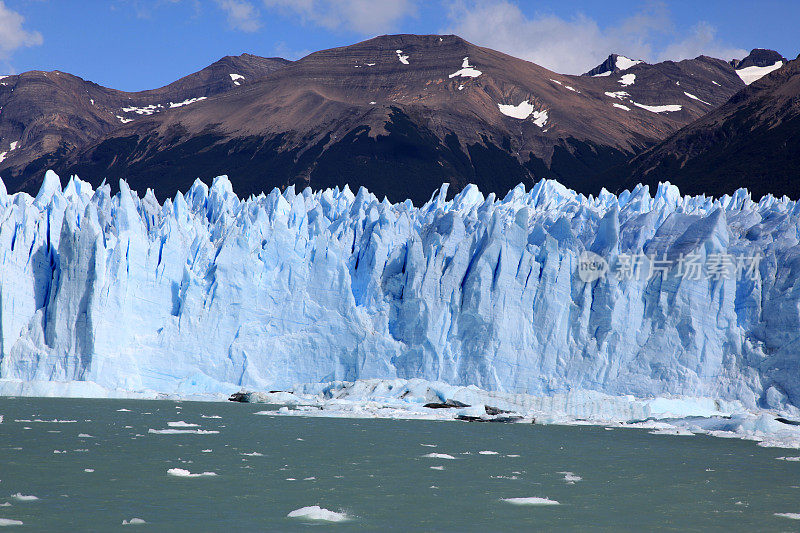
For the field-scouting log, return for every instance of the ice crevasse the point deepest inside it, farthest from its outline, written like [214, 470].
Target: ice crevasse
[209, 292]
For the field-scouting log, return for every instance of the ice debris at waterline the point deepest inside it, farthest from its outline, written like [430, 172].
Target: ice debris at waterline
[408, 399]
[208, 293]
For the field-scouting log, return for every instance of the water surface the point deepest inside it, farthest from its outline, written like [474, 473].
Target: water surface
[374, 471]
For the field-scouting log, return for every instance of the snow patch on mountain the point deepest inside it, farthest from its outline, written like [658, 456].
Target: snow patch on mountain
[693, 97]
[402, 57]
[235, 78]
[668, 108]
[466, 71]
[624, 63]
[627, 79]
[186, 102]
[754, 73]
[520, 111]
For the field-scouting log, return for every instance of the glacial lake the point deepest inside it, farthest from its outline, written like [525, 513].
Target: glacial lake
[107, 466]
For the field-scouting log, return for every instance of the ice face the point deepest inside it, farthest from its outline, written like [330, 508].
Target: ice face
[209, 293]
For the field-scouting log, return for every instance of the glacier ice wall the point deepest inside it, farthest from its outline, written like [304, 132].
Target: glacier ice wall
[208, 292]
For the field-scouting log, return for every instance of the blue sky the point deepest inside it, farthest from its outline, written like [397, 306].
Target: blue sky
[139, 44]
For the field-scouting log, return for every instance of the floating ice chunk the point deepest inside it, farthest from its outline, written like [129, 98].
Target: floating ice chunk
[751, 74]
[626, 108]
[209, 450]
[183, 431]
[437, 468]
[533, 500]
[438, 456]
[627, 79]
[310, 478]
[90, 470]
[429, 445]
[123, 410]
[466, 71]
[133, 522]
[512, 455]
[488, 452]
[693, 97]
[315, 512]
[791, 516]
[571, 477]
[402, 57]
[253, 454]
[9, 522]
[24, 497]
[85, 436]
[669, 108]
[182, 424]
[210, 416]
[181, 472]
[793, 459]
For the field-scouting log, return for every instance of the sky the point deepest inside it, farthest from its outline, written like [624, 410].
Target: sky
[142, 44]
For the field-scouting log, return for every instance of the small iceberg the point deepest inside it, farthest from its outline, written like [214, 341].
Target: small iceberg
[9, 522]
[315, 512]
[438, 456]
[182, 431]
[133, 522]
[530, 501]
[181, 472]
[24, 497]
[182, 424]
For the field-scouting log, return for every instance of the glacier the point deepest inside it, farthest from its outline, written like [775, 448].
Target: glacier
[209, 293]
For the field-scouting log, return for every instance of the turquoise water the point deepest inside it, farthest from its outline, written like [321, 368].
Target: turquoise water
[373, 471]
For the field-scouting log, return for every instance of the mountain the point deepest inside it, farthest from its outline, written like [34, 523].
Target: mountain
[401, 114]
[751, 141]
[758, 64]
[46, 115]
[612, 65]
[208, 292]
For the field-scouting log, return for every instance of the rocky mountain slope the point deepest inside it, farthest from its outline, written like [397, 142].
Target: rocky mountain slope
[401, 114]
[46, 115]
[753, 140]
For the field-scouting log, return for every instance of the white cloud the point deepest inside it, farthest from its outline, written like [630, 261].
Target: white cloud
[703, 41]
[365, 17]
[12, 34]
[242, 15]
[579, 44]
